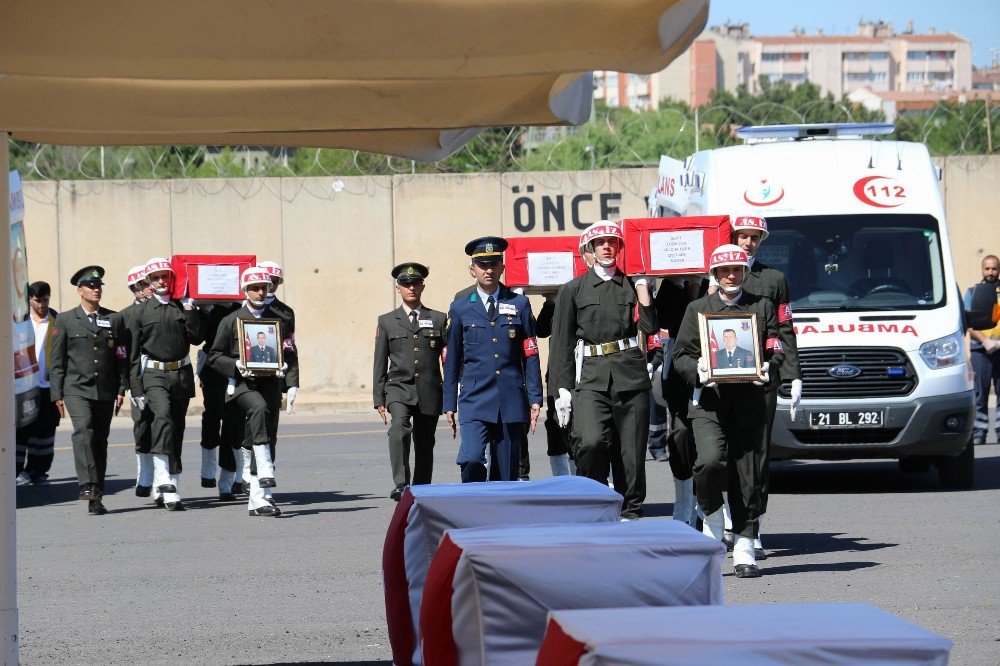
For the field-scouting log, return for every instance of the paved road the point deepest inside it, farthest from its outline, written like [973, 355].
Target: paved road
[213, 585]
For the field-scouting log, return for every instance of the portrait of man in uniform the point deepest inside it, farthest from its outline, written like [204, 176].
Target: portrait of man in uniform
[730, 347]
[260, 349]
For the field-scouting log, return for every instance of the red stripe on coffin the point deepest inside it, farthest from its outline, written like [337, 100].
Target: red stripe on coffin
[438, 643]
[559, 648]
[841, 634]
[397, 601]
[673, 245]
[507, 579]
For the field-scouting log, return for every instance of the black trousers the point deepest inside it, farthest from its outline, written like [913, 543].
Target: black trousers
[557, 439]
[599, 414]
[167, 424]
[142, 429]
[524, 457]
[680, 442]
[729, 460]
[36, 442]
[771, 403]
[232, 436]
[91, 425]
[261, 407]
[409, 424]
[213, 391]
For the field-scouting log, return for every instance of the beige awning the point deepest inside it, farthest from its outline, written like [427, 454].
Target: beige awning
[407, 77]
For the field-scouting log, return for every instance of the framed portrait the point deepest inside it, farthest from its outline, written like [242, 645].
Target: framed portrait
[730, 345]
[261, 348]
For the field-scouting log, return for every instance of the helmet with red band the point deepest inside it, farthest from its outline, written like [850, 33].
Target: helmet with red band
[750, 223]
[160, 265]
[254, 275]
[136, 274]
[602, 229]
[729, 255]
[272, 269]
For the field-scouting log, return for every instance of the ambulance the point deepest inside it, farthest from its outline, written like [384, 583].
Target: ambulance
[857, 225]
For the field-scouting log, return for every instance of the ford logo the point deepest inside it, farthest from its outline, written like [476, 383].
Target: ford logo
[844, 371]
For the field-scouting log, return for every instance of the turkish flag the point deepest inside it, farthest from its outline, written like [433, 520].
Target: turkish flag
[713, 344]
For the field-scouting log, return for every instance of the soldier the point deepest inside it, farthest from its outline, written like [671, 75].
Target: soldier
[749, 233]
[141, 418]
[729, 420]
[88, 369]
[162, 379]
[493, 355]
[256, 395]
[219, 434]
[290, 382]
[36, 442]
[599, 311]
[407, 384]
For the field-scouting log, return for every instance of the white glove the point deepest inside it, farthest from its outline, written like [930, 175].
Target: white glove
[796, 397]
[293, 392]
[703, 374]
[231, 387]
[640, 280]
[140, 402]
[765, 375]
[649, 370]
[991, 345]
[564, 407]
[188, 303]
[244, 370]
[281, 373]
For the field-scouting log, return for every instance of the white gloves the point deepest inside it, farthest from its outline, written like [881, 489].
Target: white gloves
[640, 280]
[703, 374]
[649, 370]
[281, 373]
[139, 402]
[188, 303]
[564, 407]
[796, 397]
[765, 375]
[244, 371]
[293, 392]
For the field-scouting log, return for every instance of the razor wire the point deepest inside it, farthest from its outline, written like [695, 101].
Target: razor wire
[615, 138]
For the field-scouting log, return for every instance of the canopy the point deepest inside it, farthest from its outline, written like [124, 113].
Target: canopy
[400, 77]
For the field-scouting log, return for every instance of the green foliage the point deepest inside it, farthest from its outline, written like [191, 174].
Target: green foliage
[614, 138]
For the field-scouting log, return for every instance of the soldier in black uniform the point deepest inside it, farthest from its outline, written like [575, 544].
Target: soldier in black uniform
[729, 420]
[406, 381]
[141, 418]
[748, 234]
[284, 312]
[256, 395]
[161, 376]
[87, 370]
[218, 435]
[599, 308]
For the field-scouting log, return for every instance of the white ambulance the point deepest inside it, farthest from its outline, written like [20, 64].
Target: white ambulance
[857, 224]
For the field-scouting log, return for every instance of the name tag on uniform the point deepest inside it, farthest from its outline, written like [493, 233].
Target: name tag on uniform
[508, 309]
[103, 323]
[425, 323]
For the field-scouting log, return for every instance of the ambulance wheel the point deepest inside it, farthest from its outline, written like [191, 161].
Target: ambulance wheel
[958, 473]
[914, 465]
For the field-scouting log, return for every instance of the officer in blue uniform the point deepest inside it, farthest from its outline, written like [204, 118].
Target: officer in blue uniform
[492, 375]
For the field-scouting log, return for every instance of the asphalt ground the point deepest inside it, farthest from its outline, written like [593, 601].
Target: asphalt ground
[215, 586]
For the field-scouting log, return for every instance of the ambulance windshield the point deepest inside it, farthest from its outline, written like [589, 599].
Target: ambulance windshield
[857, 262]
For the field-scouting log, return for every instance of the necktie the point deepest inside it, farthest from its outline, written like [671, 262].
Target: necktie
[730, 358]
[490, 307]
[93, 319]
[413, 317]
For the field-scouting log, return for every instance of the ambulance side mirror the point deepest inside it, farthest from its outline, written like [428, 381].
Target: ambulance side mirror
[983, 311]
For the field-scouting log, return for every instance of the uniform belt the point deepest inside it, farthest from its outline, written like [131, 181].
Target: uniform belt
[605, 348]
[168, 365]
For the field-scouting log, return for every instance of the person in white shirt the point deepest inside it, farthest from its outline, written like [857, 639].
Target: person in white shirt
[36, 442]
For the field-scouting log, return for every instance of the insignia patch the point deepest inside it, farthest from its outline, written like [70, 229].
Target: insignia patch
[489, 247]
[432, 343]
[530, 347]
[409, 270]
[472, 298]
[512, 334]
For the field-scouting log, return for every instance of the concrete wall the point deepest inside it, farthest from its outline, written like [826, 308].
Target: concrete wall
[338, 238]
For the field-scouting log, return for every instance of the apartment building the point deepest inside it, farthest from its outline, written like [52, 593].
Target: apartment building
[877, 58]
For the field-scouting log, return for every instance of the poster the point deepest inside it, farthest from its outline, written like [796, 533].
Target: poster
[677, 250]
[549, 268]
[218, 280]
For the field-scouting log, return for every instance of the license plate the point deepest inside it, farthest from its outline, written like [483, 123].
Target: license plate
[866, 418]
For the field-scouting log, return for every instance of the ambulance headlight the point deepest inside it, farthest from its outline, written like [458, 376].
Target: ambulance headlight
[943, 352]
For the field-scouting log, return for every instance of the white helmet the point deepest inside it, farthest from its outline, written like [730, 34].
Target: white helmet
[160, 265]
[273, 269]
[750, 223]
[728, 255]
[136, 274]
[602, 229]
[254, 275]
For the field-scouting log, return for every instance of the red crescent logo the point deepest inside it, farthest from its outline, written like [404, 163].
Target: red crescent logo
[859, 192]
[766, 194]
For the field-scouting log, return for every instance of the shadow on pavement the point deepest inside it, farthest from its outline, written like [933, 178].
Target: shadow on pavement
[875, 476]
[768, 570]
[57, 491]
[813, 543]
